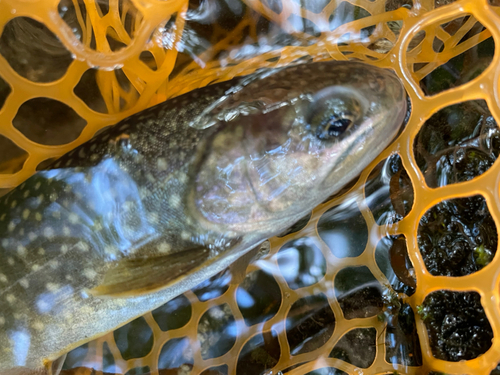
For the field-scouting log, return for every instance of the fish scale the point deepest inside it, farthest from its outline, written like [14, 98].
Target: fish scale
[168, 197]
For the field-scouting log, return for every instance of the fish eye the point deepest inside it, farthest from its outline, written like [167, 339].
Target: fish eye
[333, 111]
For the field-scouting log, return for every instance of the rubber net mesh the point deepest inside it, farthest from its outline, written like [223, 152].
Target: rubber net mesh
[396, 273]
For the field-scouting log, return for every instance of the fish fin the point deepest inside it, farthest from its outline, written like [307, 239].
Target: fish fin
[132, 277]
[56, 366]
[239, 267]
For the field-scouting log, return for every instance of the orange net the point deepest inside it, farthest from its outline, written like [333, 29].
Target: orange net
[101, 61]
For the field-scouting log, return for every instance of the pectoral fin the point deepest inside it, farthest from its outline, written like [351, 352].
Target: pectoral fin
[133, 277]
[239, 267]
[56, 366]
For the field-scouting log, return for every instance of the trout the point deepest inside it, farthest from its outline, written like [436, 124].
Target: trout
[168, 197]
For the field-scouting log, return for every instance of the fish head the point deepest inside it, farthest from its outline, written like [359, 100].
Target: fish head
[291, 139]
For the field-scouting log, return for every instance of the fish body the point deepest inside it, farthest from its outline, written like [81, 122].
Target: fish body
[170, 196]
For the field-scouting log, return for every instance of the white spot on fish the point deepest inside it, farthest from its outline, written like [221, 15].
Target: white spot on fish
[41, 251]
[53, 264]
[110, 250]
[13, 204]
[38, 216]
[94, 157]
[45, 302]
[185, 235]
[10, 298]
[11, 226]
[5, 242]
[162, 164]
[92, 148]
[10, 260]
[37, 185]
[21, 250]
[89, 273]
[64, 249]
[73, 218]
[143, 193]
[35, 267]
[123, 127]
[82, 246]
[66, 231]
[26, 213]
[26, 193]
[128, 205]
[21, 232]
[40, 198]
[56, 215]
[3, 278]
[37, 325]
[174, 201]
[52, 287]
[24, 283]
[32, 236]
[2, 322]
[153, 217]
[182, 178]
[48, 232]
[164, 247]
[53, 197]
[2, 217]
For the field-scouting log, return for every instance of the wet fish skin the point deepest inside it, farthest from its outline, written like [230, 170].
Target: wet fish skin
[169, 197]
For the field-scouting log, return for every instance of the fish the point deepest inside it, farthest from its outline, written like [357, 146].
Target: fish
[168, 197]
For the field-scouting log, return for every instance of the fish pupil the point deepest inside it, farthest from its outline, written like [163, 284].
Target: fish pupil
[333, 127]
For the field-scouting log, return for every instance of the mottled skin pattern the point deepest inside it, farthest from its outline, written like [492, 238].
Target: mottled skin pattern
[168, 197]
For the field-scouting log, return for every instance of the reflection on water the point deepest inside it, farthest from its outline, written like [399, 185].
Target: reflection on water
[301, 262]
[309, 324]
[357, 346]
